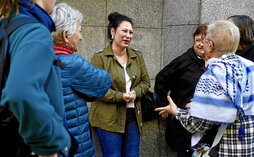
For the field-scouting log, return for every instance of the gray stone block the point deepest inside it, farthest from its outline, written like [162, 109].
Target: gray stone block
[145, 13]
[96, 143]
[152, 85]
[93, 10]
[153, 142]
[181, 12]
[178, 39]
[149, 42]
[94, 39]
[221, 10]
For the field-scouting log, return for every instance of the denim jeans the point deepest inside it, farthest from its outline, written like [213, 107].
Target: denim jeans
[121, 144]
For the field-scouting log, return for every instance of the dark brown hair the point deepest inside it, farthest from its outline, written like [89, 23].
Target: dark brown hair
[246, 28]
[115, 19]
[200, 30]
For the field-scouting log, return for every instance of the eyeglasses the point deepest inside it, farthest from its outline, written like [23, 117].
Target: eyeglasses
[204, 38]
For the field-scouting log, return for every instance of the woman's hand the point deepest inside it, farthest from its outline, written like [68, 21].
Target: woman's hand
[133, 95]
[129, 97]
[170, 109]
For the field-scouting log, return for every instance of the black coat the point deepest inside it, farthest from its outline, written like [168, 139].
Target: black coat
[247, 53]
[179, 78]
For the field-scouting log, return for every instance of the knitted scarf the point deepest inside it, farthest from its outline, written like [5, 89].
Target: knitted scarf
[62, 50]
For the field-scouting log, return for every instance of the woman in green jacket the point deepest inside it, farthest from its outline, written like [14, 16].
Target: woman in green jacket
[117, 115]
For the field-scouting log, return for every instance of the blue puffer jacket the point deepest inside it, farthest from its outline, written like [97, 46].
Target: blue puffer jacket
[82, 77]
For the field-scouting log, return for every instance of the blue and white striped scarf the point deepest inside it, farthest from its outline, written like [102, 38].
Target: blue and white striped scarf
[227, 87]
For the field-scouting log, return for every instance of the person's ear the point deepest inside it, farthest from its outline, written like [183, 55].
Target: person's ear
[65, 37]
[210, 45]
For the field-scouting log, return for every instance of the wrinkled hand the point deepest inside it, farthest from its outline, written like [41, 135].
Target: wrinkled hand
[54, 155]
[170, 109]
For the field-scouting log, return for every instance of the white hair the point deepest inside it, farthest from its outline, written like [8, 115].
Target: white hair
[225, 35]
[66, 18]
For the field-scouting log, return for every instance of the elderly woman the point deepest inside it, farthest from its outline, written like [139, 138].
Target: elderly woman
[180, 78]
[117, 115]
[246, 28]
[81, 80]
[224, 94]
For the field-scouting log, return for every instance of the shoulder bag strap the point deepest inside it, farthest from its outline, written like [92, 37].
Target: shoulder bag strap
[216, 140]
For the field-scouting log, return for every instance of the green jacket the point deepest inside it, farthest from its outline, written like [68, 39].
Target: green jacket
[109, 112]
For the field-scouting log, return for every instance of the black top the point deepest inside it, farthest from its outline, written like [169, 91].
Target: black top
[179, 78]
[247, 53]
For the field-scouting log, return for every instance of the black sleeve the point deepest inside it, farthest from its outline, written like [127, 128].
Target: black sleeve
[166, 79]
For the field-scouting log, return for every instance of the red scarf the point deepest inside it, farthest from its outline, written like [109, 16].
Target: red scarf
[62, 50]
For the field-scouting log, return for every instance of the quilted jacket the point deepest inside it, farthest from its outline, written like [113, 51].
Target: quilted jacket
[81, 79]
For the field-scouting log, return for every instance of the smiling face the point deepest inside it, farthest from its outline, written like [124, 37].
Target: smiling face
[208, 47]
[198, 46]
[122, 36]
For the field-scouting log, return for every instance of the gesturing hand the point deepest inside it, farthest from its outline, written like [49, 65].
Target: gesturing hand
[170, 109]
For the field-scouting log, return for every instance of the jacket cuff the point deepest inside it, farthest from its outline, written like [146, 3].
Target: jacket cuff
[119, 97]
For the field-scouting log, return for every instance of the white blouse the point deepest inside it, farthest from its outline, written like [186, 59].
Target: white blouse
[128, 86]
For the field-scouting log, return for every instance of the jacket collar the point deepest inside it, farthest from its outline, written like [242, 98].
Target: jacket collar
[192, 54]
[109, 52]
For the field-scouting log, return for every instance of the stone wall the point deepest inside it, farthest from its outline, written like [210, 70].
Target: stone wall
[162, 30]
[182, 17]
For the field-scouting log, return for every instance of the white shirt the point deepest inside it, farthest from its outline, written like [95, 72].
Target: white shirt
[128, 86]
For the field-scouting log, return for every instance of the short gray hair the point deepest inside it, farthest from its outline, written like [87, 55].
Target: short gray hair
[225, 35]
[66, 18]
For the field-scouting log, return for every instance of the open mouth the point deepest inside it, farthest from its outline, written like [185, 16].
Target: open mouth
[126, 41]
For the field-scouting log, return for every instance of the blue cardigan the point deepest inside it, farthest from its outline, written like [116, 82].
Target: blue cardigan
[79, 75]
